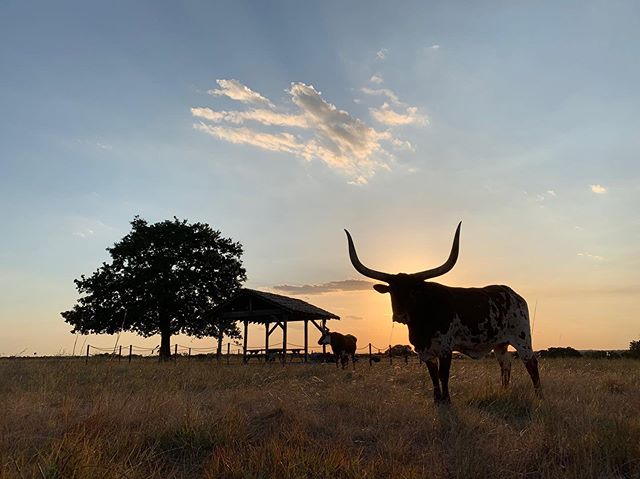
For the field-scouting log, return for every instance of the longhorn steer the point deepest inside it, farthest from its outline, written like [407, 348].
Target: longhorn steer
[342, 346]
[442, 319]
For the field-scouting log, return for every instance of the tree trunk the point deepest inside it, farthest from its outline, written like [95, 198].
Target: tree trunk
[165, 346]
[219, 351]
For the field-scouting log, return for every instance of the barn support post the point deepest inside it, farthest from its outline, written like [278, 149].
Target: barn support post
[390, 357]
[324, 346]
[370, 357]
[266, 342]
[228, 352]
[244, 348]
[284, 341]
[306, 340]
[120, 353]
[86, 360]
[130, 351]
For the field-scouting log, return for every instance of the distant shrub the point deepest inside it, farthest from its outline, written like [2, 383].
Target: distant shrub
[567, 352]
[603, 355]
[401, 350]
[634, 349]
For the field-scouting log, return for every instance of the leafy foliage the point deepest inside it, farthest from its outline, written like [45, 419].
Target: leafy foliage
[634, 349]
[163, 278]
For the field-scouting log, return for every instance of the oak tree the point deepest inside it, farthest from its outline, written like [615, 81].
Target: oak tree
[162, 279]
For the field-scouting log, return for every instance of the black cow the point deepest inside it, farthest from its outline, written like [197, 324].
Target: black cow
[342, 346]
[442, 319]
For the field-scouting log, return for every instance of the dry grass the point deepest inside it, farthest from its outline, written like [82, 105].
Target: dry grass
[64, 419]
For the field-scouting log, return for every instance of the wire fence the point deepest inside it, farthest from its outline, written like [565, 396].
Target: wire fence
[232, 352]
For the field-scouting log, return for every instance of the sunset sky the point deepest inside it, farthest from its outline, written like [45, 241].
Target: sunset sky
[281, 123]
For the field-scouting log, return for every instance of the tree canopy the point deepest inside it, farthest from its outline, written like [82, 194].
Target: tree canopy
[162, 279]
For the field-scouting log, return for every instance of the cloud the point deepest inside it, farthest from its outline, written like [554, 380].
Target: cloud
[435, 46]
[598, 189]
[552, 193]
[269, 141]
[382, 53]
[376, 78]
[265, 117]
[237, 91]
[322, 131]
[591, 256]
[382, 92]
[330, 287]
[390, 117]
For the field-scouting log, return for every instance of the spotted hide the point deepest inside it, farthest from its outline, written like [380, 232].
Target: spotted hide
[442, 319]
[342, 345]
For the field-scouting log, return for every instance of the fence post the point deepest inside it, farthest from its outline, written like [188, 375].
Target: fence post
[120, 353]
[175, 352]
[390, 357]
[370, 357]
[189, 353]
[228, 351]
[86, 360]
[130, 351]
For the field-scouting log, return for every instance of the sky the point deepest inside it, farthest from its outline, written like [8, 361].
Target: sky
[282, 123]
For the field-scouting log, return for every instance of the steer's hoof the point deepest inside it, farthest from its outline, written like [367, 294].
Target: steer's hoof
[442, 401]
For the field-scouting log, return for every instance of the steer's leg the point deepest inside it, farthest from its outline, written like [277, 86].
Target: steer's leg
[443, 372]
[525, 352]
[432, 366]
[504, 359]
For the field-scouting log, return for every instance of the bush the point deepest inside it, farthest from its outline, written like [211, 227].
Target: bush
[634, 349]
[567, 352]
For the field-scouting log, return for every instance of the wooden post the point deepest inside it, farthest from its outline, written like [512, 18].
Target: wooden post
[266, 342]
[87, 358]
[228, 352]
[120, 353]
[245, 338]
[390, 357]
[324, 346]
[284, 341]
[306, 340]
[175, 352]
[130, 352]
[370, 357]
[189, 353]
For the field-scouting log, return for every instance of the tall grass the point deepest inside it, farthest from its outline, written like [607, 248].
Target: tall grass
[64, 419]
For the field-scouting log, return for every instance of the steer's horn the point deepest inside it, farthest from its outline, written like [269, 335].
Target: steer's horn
[448, 265]
[362, 269]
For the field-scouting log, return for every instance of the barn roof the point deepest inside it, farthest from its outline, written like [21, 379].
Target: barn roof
[260, 307]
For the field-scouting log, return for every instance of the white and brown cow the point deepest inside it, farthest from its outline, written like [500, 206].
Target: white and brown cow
[342, 345]
[442, 319]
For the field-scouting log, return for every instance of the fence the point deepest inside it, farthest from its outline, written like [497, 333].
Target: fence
[233, 353]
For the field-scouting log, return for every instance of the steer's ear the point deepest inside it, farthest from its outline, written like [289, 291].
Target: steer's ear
[381, 288]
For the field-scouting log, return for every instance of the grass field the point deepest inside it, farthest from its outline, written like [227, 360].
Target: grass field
[61, 418]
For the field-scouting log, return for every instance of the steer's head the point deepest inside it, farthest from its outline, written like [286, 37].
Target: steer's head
[326, 337]
[405, 289]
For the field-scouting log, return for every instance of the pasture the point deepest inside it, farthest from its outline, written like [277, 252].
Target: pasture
[62, 418]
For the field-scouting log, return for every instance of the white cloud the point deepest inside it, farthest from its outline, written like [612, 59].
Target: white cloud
[376, 78]
[266, 117]
[237, 91]
[323, 132]
[390, 117]
[382, 92]
[591, 256]
[382, 53]
[598, 189]
[435, 46]
[551, 193]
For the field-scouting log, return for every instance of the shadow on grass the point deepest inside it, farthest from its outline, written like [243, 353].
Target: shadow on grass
[516, 409]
